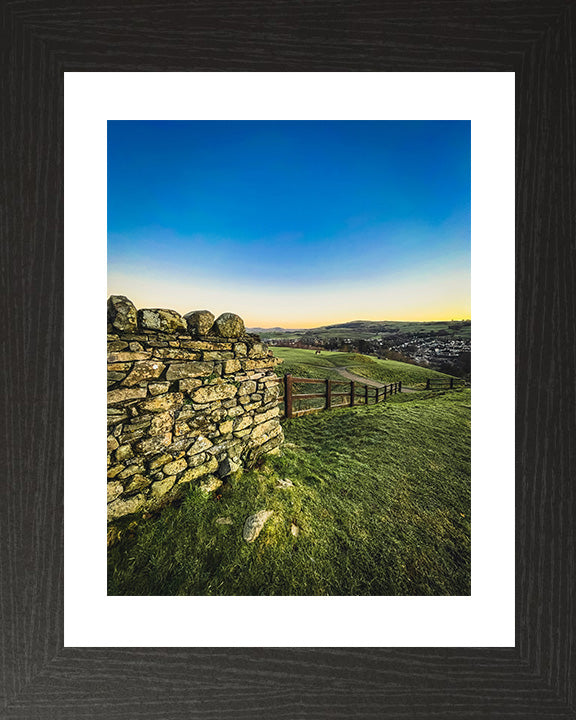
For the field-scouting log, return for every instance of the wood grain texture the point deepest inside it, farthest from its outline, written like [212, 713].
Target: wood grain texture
[40, 40]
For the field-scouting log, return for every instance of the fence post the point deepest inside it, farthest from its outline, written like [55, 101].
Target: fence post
[351, 393]
[400, 386]
[328, 394]
[288, 396]
[366, 394]
[451, 383]
[377, 395]
[385, 391]
[428, 384]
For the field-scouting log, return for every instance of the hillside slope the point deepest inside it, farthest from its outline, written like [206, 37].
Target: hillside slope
[305, 363]
[379, 505]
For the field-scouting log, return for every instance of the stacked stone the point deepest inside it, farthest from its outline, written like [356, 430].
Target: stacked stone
[190, 399]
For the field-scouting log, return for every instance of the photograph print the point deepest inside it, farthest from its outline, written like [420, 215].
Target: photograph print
[289, 343]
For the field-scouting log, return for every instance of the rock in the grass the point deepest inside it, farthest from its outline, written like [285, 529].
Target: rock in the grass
[223, 521]
[122, 314]
[228, 325]
[255, 523]
[294, 529]
[199, 322]
[284, 482]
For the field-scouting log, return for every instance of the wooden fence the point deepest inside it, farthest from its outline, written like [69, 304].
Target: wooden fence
[439, 383]
[355, 394]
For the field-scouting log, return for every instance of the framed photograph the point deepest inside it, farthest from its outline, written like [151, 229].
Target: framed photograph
[316, 441]
[502, 649]
[389, 201]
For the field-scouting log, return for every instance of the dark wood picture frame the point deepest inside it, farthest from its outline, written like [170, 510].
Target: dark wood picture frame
[41, 39]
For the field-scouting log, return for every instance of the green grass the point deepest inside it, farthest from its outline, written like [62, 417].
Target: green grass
[381, 498]
[305, 363]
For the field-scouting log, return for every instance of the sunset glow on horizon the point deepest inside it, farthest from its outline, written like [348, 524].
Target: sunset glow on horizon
[293, 224]
[327, 305]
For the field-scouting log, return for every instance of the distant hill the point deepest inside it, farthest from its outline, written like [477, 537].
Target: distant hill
[275, 330]
[369, 329]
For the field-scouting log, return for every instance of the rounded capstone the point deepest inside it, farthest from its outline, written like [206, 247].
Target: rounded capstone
[199, 322]
[167, 321]
[122, 314]
[228, 325]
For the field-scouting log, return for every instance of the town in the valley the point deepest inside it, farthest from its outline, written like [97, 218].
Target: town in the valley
[443, 346]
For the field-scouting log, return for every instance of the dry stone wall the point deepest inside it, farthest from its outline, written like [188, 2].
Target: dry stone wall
[190, 400]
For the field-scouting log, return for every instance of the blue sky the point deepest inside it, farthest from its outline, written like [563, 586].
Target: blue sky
[294, 223]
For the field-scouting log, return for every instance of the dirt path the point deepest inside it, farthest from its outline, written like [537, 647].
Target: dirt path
[343, 370]
[357, 378]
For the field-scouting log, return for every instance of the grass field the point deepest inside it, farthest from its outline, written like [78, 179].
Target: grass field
[305, 363]
[380, 498]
